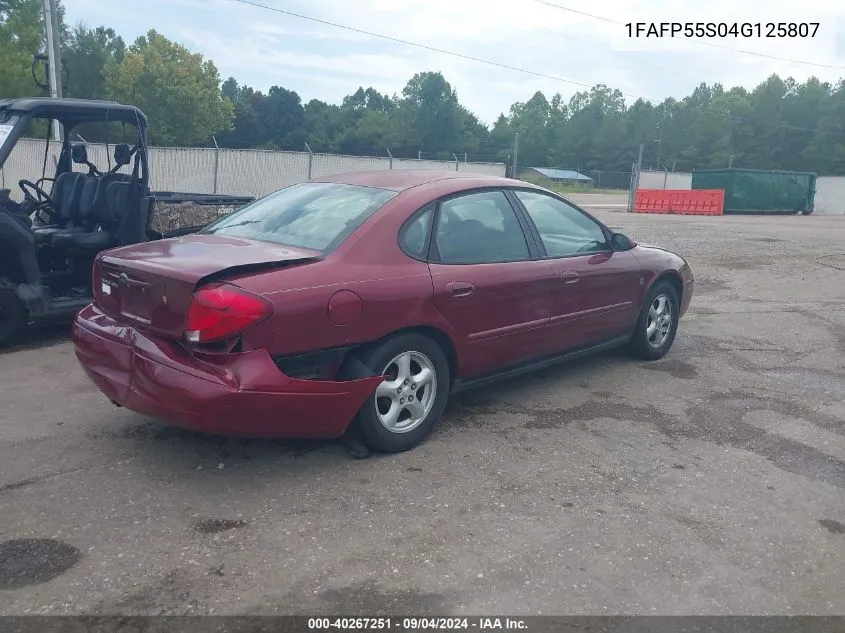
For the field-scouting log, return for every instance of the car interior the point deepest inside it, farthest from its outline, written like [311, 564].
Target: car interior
[477, 229]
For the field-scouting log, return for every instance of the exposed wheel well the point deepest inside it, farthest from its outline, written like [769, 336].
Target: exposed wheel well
[10, 264]
[675, 279]
[439, 337]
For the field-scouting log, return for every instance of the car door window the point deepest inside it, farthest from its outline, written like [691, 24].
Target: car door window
[563, 229]
[479, 228]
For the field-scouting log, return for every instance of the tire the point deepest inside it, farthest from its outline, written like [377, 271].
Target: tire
[645, 347]
[13, 316]
[425, 357]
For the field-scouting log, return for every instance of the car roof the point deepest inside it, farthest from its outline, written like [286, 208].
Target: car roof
[402, 179]
[74, 110]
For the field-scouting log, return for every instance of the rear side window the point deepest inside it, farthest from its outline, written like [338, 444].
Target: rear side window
[414, 236]
[317, 216]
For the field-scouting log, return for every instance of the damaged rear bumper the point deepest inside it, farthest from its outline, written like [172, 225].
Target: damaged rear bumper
[239, 394]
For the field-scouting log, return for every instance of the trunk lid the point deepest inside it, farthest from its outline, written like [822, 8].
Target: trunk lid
[150, 285]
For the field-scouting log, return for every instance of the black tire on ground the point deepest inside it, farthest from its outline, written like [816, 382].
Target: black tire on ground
[807, 212]
[640, 346]
[13, 316]
[367, 424]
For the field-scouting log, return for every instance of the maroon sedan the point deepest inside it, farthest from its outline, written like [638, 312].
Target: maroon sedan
[366, 300]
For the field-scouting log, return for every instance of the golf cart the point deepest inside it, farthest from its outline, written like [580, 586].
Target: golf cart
[54, 226]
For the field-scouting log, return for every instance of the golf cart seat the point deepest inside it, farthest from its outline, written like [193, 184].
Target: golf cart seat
[99, 210]
[66, 193]
[87, 236]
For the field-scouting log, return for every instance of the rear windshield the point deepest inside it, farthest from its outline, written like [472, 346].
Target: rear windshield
[318, 216]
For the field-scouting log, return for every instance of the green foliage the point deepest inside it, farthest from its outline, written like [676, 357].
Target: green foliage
[85, 53]
[21, 29]
[178, 91]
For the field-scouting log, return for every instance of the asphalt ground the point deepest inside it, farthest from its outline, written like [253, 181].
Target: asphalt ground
[710, 482]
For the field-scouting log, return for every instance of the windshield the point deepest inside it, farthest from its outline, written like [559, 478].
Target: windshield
[317, 216]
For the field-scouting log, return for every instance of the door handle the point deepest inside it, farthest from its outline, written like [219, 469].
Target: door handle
[460, 289]
[570, 277]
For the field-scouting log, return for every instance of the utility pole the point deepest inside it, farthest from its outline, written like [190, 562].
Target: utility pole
[639, 166]
[515, 154]
[635, 179]
[631, 188]
[51, 20]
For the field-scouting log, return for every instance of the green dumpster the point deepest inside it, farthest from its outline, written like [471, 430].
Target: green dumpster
[760, 191]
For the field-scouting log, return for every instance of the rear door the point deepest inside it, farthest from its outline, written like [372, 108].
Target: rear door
[489, 282]
[597, 289]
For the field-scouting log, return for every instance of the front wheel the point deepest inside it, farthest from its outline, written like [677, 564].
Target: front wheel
[410, 401]
[657, 324]
[13, 316]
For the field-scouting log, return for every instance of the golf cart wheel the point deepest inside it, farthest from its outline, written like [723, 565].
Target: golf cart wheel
[13, 316]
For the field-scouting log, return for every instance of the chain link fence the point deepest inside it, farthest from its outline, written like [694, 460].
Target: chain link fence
[246, 172]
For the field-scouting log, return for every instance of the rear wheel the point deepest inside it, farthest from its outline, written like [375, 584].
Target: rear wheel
[13, 316]
[657, 323]
[410, 401]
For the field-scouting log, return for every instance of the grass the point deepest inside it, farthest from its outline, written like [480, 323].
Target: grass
[561, 188]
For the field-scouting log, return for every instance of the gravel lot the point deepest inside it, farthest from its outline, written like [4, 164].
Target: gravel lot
[710, 482]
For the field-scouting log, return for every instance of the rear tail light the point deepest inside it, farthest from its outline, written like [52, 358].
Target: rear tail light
[221, 311]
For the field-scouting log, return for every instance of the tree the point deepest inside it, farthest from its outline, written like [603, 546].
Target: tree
[21, 34]
[86, 52]
[283, 117]
[827, 147]
[323, 126]
[531, 120]
[433, 116]
[177, 90]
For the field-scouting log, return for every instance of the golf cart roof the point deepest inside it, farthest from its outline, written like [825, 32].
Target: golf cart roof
[72, 112]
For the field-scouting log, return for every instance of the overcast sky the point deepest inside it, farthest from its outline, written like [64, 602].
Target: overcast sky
[262, 48]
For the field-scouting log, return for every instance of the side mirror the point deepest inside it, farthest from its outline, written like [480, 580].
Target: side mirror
[620, 242]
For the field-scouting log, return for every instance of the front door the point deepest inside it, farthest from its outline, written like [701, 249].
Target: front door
[598, 289]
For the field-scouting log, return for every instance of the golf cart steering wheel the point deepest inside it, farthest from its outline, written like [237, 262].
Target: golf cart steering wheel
[35, 194]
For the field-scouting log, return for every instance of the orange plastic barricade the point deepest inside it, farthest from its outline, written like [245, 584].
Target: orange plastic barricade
[680, 201]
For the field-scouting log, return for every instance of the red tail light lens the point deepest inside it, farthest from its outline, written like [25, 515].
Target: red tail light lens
[220, 311]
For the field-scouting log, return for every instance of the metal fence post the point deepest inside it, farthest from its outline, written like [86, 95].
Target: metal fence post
[216, 163]
[391, 157]
[457, 162]
[631, 188]
[310, 160]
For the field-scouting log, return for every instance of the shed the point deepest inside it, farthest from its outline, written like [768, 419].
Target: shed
[560, 175]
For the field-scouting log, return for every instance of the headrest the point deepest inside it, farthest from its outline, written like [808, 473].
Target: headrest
[122, 154]
[79, 153]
